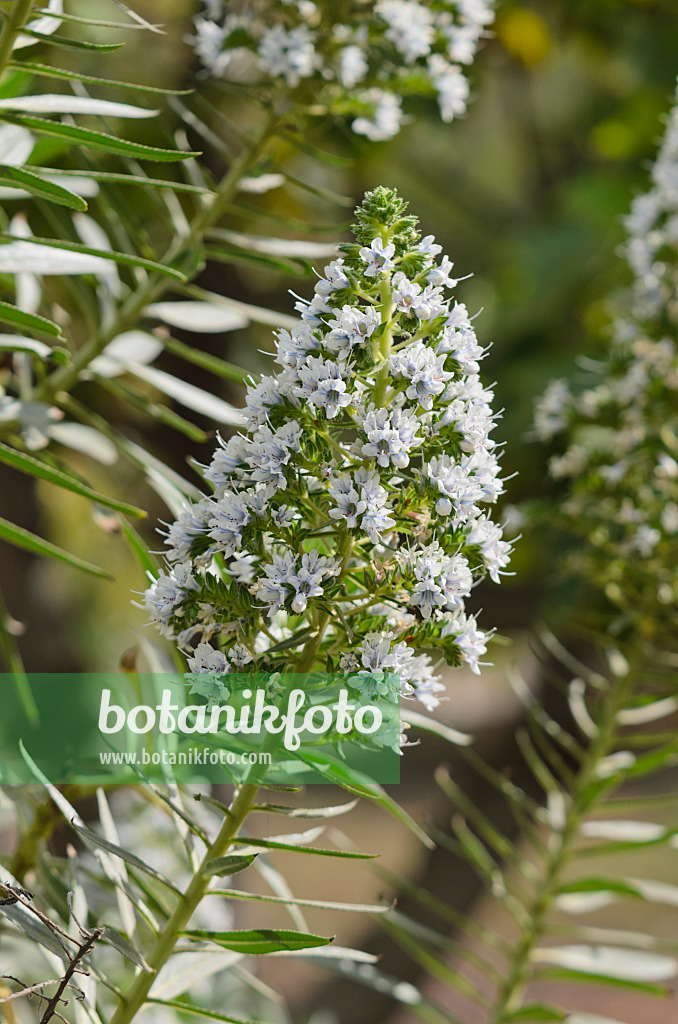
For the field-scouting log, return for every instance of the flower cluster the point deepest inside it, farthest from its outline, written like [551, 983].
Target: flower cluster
[348, 523]
[621, 432]
[360, 68]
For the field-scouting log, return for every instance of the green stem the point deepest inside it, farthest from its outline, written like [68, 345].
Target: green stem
[65, 377]
[15, 21]
[166, 941]
[511, 993]
[385, 342]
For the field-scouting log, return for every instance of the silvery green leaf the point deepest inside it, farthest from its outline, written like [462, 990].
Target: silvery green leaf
[610, 961]
[356, 956]
[93, 236]
[623, 831]
[278, 246]
[590, 1018]
[259, 314]
[16, 144]
[646, 713]
[137, 346]
[262, 183]
[185, 970]
[87, 440]
[125, 905]
[46, 25]
[28, 257]
[15, 343]
[656, 892]
[54, 103]
[188, 394]
[201, 317]
[585, 902]
[427, 724]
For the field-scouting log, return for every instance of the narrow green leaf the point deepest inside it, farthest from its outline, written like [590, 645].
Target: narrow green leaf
[229, 865]
[21, 177]
[95, 22]
[267, 844]
[64, 43]
[105, 254]
[34, 467]
[139, 549]
[535, 1012]
[563, 974]
[219, 367]
[96, 139]
[361, 908]
[132, 179]
[116, 939]
[259, 941]
[95, 839]
[28, 321]
[21, 538]
[307, 812]
[44, 71]
[199, 1011]
[240, 257]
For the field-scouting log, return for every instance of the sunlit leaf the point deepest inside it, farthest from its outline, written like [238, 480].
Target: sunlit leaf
[57, 103]
[258, 941]
[22, 538]
[41, 187]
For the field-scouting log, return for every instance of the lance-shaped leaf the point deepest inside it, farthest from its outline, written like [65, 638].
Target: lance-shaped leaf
[28, 321]
[44, 71]
[22, 538]
[55, 103]
[43, 188]
[95, 139]
[228, 865]
[610, 962]
[259, 941]
[49, 256]
[95, 840]
[34, 467]
[201, 317]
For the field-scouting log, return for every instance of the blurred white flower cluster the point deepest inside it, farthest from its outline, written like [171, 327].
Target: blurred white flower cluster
[359, 67]
[348, 524]
[621, 431]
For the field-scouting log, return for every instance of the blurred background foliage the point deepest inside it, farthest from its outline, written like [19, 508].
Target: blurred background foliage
[527, 193]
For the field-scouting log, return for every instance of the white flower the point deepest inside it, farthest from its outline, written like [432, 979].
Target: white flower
[386, 118]
[377, 257]
[451, 85]
[410, 28]
[288, 54]
[206, 659]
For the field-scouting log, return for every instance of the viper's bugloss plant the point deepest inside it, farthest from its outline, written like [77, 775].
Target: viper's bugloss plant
[349, 520]
[620, 426]
[357, 61]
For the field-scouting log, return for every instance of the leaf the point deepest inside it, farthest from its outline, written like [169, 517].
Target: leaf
[610, 962]
[262, 183]
[94, 839]
[27, 257]
[259, 941]
[22, 538]
[57, 103]
[625, 831]
[184, 970]
[259, 314]
[34, 467]
[307, 812]
[85, 439]
[28, 321]
[219, 367]
[16, 145]
[65, 43]
[241, 257]
[44, 71]
[590, 1018]
[132, 345]
[535, 1012]
[229, 865]
[188, 394]
[268, 844]
[11, 177]
[35, 930]
[361, 908]
[199, 1011]
[96, 139]
[427, 724]
[116, 939]
[201, 317]
[290, 247]
[44, 25]
[15, 343]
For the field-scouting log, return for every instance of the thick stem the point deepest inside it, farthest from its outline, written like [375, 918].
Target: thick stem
[511, 993]
[385, 342]
[16, 19]
[65, 377]
[166, 941]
